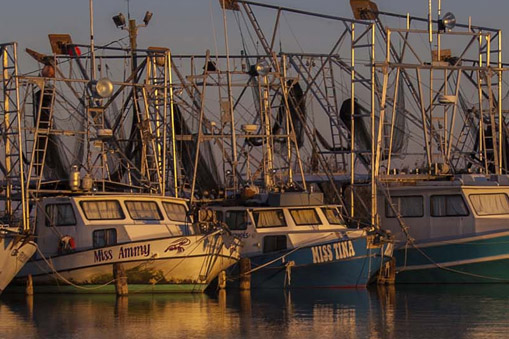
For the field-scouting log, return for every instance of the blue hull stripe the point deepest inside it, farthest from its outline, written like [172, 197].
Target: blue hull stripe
[337, 264]
[483, 258]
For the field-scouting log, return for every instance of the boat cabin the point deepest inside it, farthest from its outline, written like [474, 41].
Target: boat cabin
[94, 221]
[434, 210]
[284, 224]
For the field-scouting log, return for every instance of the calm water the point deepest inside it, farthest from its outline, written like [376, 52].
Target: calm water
[403, 312]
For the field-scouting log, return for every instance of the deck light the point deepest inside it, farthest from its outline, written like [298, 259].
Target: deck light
[102, 88]
[447, 22]
[119, 20]
[148, 16]
[262, 67]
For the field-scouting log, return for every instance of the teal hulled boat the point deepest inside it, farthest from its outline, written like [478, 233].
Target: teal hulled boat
[450, 231]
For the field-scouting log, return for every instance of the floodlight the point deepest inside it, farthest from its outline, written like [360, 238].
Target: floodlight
[119, 20]
[147, 17]
[262, 67]
[447, 22]
[103, 87]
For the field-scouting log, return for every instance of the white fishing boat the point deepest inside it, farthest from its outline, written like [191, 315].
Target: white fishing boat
[15, 250]
[83, 239]
[97, 181]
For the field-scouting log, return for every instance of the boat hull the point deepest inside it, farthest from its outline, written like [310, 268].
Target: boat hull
[177, 264]
[474, 259]
[15, 250]
[348, 263]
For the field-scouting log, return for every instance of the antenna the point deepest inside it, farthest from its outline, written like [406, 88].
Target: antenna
[92, 48]
[430, 23]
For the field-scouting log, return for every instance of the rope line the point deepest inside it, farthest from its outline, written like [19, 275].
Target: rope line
[410, 241]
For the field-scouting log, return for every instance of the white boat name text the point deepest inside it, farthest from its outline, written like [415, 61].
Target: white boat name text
[330, 252]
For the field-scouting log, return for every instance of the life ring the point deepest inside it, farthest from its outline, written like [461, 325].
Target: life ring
[66, 245]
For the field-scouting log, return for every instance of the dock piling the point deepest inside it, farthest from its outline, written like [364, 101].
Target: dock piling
[221, 280]
[30, 286]
[245, 275]
[120, 280]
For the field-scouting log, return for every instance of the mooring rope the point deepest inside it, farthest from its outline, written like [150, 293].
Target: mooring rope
[60, 276]
[52, 267]
[282, 257]
[182, 259]
[411, 242]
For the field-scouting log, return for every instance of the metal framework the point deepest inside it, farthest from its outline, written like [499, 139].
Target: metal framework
[15, 209]
[188, 125]
[456, 104]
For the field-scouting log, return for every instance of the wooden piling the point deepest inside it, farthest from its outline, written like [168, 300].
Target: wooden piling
[221, 280]
[30, 286]
[120, 280]
[387, 274]
[245, 275]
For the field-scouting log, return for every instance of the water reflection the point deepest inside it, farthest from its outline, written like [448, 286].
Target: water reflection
[473, 311]
[454, 311]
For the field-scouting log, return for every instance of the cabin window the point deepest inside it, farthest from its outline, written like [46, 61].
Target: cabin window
[236, 220]
[102, 210]
[405, 206]
[269, 218]
[60, 215]
[273, 243]
[143, 210]
[333, 216]
[490, 204]
[175, 212]
[105, 237]
[307, 216]
[448, 206]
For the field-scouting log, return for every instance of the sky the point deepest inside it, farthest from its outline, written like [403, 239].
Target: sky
[188, 26]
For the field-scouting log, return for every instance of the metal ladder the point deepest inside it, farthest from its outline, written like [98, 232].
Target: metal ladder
[332, 110]
[490, 133]
[41, 135]
[150, 170]
[99, 166]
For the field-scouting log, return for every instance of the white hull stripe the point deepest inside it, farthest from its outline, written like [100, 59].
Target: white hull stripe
[453, 263]
[459, 240]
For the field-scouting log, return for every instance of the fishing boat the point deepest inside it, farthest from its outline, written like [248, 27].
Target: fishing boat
[294, 240]
[96, 183]
[290, 237]
[16, 249]
[444, 196]
[457, 229]
[415, 118]
[84, 239]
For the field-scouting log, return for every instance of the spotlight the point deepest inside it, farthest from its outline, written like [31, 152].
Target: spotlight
[147, 17]
[119, 20]
[262, 67]
[447, 22]
[102, 88]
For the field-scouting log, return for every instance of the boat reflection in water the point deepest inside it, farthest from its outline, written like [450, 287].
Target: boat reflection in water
[248, 314]
[409, 311]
